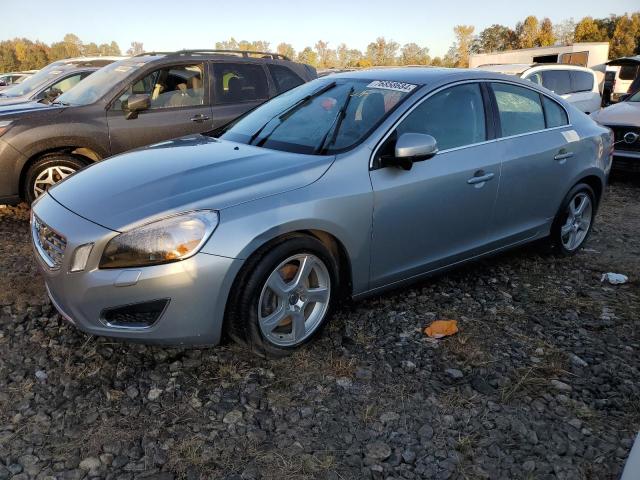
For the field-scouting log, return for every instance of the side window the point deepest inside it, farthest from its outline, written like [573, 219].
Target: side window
[454, 117]
[170, 87]
[284, 78]
[554, 113]
[581, 81]
[535, 78]
[66, 83]
[628, 72]
[239, 82]
[519, 108]
[557, 81]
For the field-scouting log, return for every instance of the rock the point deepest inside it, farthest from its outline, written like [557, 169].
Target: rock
[408, 456]
[454, 373]
[41, 375]
[529, 466]
[154, 394]
[344, 382]
[378, 451]
[577, 361]
[563, 387]
[90, 463]
[425, 432]
[389, 417]
[233, 417]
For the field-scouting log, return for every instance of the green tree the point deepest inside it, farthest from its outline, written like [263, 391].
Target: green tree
[73, 45]
[546, 36]
[308, 56]
[497, 38]
[286, 49]
[588, 30]
[382, 52]
[326, 57]
[464, 39]
[136, 49]
[528, 32]
[625, 37]
[8, 59]
[565, 31]
[414, 54]
[91, 49]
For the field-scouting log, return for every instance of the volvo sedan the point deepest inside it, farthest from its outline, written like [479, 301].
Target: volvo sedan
[346, 186]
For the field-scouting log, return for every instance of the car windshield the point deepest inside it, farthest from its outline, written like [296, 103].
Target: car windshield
[321, 117]
[36, 80]
[95, 86]
[635, 97]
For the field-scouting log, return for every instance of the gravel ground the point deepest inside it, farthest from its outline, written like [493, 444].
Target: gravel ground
[540, 382]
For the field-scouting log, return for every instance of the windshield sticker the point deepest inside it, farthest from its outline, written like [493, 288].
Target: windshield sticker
[55, 72]
[122, 69]
[388, 85]
[571, 136]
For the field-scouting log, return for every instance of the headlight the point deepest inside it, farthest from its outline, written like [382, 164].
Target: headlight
[167, 240]
[4, 126]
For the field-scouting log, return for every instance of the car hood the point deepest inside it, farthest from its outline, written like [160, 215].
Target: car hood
[24, 107]
[190, 173]
[623, 113]
[12, 100]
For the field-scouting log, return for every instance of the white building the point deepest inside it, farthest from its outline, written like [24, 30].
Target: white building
[589, 54]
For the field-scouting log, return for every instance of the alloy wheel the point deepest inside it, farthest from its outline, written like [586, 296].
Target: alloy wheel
[49, 177]
[294, 300]
[576, 227]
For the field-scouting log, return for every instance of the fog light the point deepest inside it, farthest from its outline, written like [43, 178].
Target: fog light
[80, 257]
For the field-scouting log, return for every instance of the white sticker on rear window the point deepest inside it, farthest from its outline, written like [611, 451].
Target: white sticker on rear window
[571, 136]
[388, 85]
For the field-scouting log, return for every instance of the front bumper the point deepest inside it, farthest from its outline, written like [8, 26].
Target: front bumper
[626, 160]
[196, 288]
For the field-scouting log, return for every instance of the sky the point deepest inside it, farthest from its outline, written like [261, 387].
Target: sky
[176, 24]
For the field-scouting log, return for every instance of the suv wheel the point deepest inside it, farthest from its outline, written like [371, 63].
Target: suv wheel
[283, 296]
[573, 223]
[48, 171]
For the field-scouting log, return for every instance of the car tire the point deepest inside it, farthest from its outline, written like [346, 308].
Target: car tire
[574, 221]
[47, 171]
[273, 317]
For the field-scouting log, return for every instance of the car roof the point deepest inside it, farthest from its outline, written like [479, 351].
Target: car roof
[420, 75]
[508, 68]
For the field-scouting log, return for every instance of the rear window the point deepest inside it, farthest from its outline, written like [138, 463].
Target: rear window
[628, 72]
[581, 81]
[239, 82]
[558, 81]
[284, 78]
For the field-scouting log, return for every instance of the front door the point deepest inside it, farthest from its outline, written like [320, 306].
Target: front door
[179, 106]
[440, 211]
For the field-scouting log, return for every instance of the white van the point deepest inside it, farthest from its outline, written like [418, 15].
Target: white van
[578, 85]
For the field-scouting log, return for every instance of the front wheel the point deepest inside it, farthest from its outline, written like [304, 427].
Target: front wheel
[48, 171]
[283, 296]
[573, 223]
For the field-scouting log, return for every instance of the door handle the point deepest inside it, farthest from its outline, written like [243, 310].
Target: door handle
[563, 156]
[480, 177]
[199, 118]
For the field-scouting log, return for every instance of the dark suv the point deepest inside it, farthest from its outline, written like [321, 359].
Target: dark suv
[131, 103]
[53, 80]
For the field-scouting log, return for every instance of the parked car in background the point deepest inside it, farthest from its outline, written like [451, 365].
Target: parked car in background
[624, 119]
[348, 185]
[622, 73]
[577, 85]
[53, 80]
[12, 78]
[132, 103]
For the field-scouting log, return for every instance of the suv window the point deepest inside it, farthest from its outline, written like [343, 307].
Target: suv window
[519, 108]
[239, 82]
[169, 87]
[557, 81]
[454, 117]
[554, 113]
[65, 84]
[581, 81]
[284, 78]
[628, 72]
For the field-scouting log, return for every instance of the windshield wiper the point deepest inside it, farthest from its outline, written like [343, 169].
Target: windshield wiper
[282, 116]
[58, 102]
[335, 126]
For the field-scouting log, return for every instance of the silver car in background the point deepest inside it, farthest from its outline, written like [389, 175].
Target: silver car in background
[345, 186]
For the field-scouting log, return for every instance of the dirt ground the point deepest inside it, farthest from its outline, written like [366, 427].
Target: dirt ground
[542, 381]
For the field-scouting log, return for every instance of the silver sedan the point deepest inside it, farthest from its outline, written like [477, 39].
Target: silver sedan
[346, 186]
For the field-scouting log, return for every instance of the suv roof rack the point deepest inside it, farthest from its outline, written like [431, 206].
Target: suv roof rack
[242, 53]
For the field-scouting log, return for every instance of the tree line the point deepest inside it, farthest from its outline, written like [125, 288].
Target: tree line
[621, 31]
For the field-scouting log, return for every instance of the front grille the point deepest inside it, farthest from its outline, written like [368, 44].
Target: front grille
[49, 243]
[137, 315]
[620, 132]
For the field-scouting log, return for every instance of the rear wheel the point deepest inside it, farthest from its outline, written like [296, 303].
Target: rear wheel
[283, 296]
[573, 223]
[48, 171]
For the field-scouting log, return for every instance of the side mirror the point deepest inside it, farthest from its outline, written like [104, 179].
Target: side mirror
[137, 103]
[411, 147]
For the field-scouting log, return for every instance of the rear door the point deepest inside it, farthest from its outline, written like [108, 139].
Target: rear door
[538, 150]
[237, 88]
[180, 105]
[582, 95]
